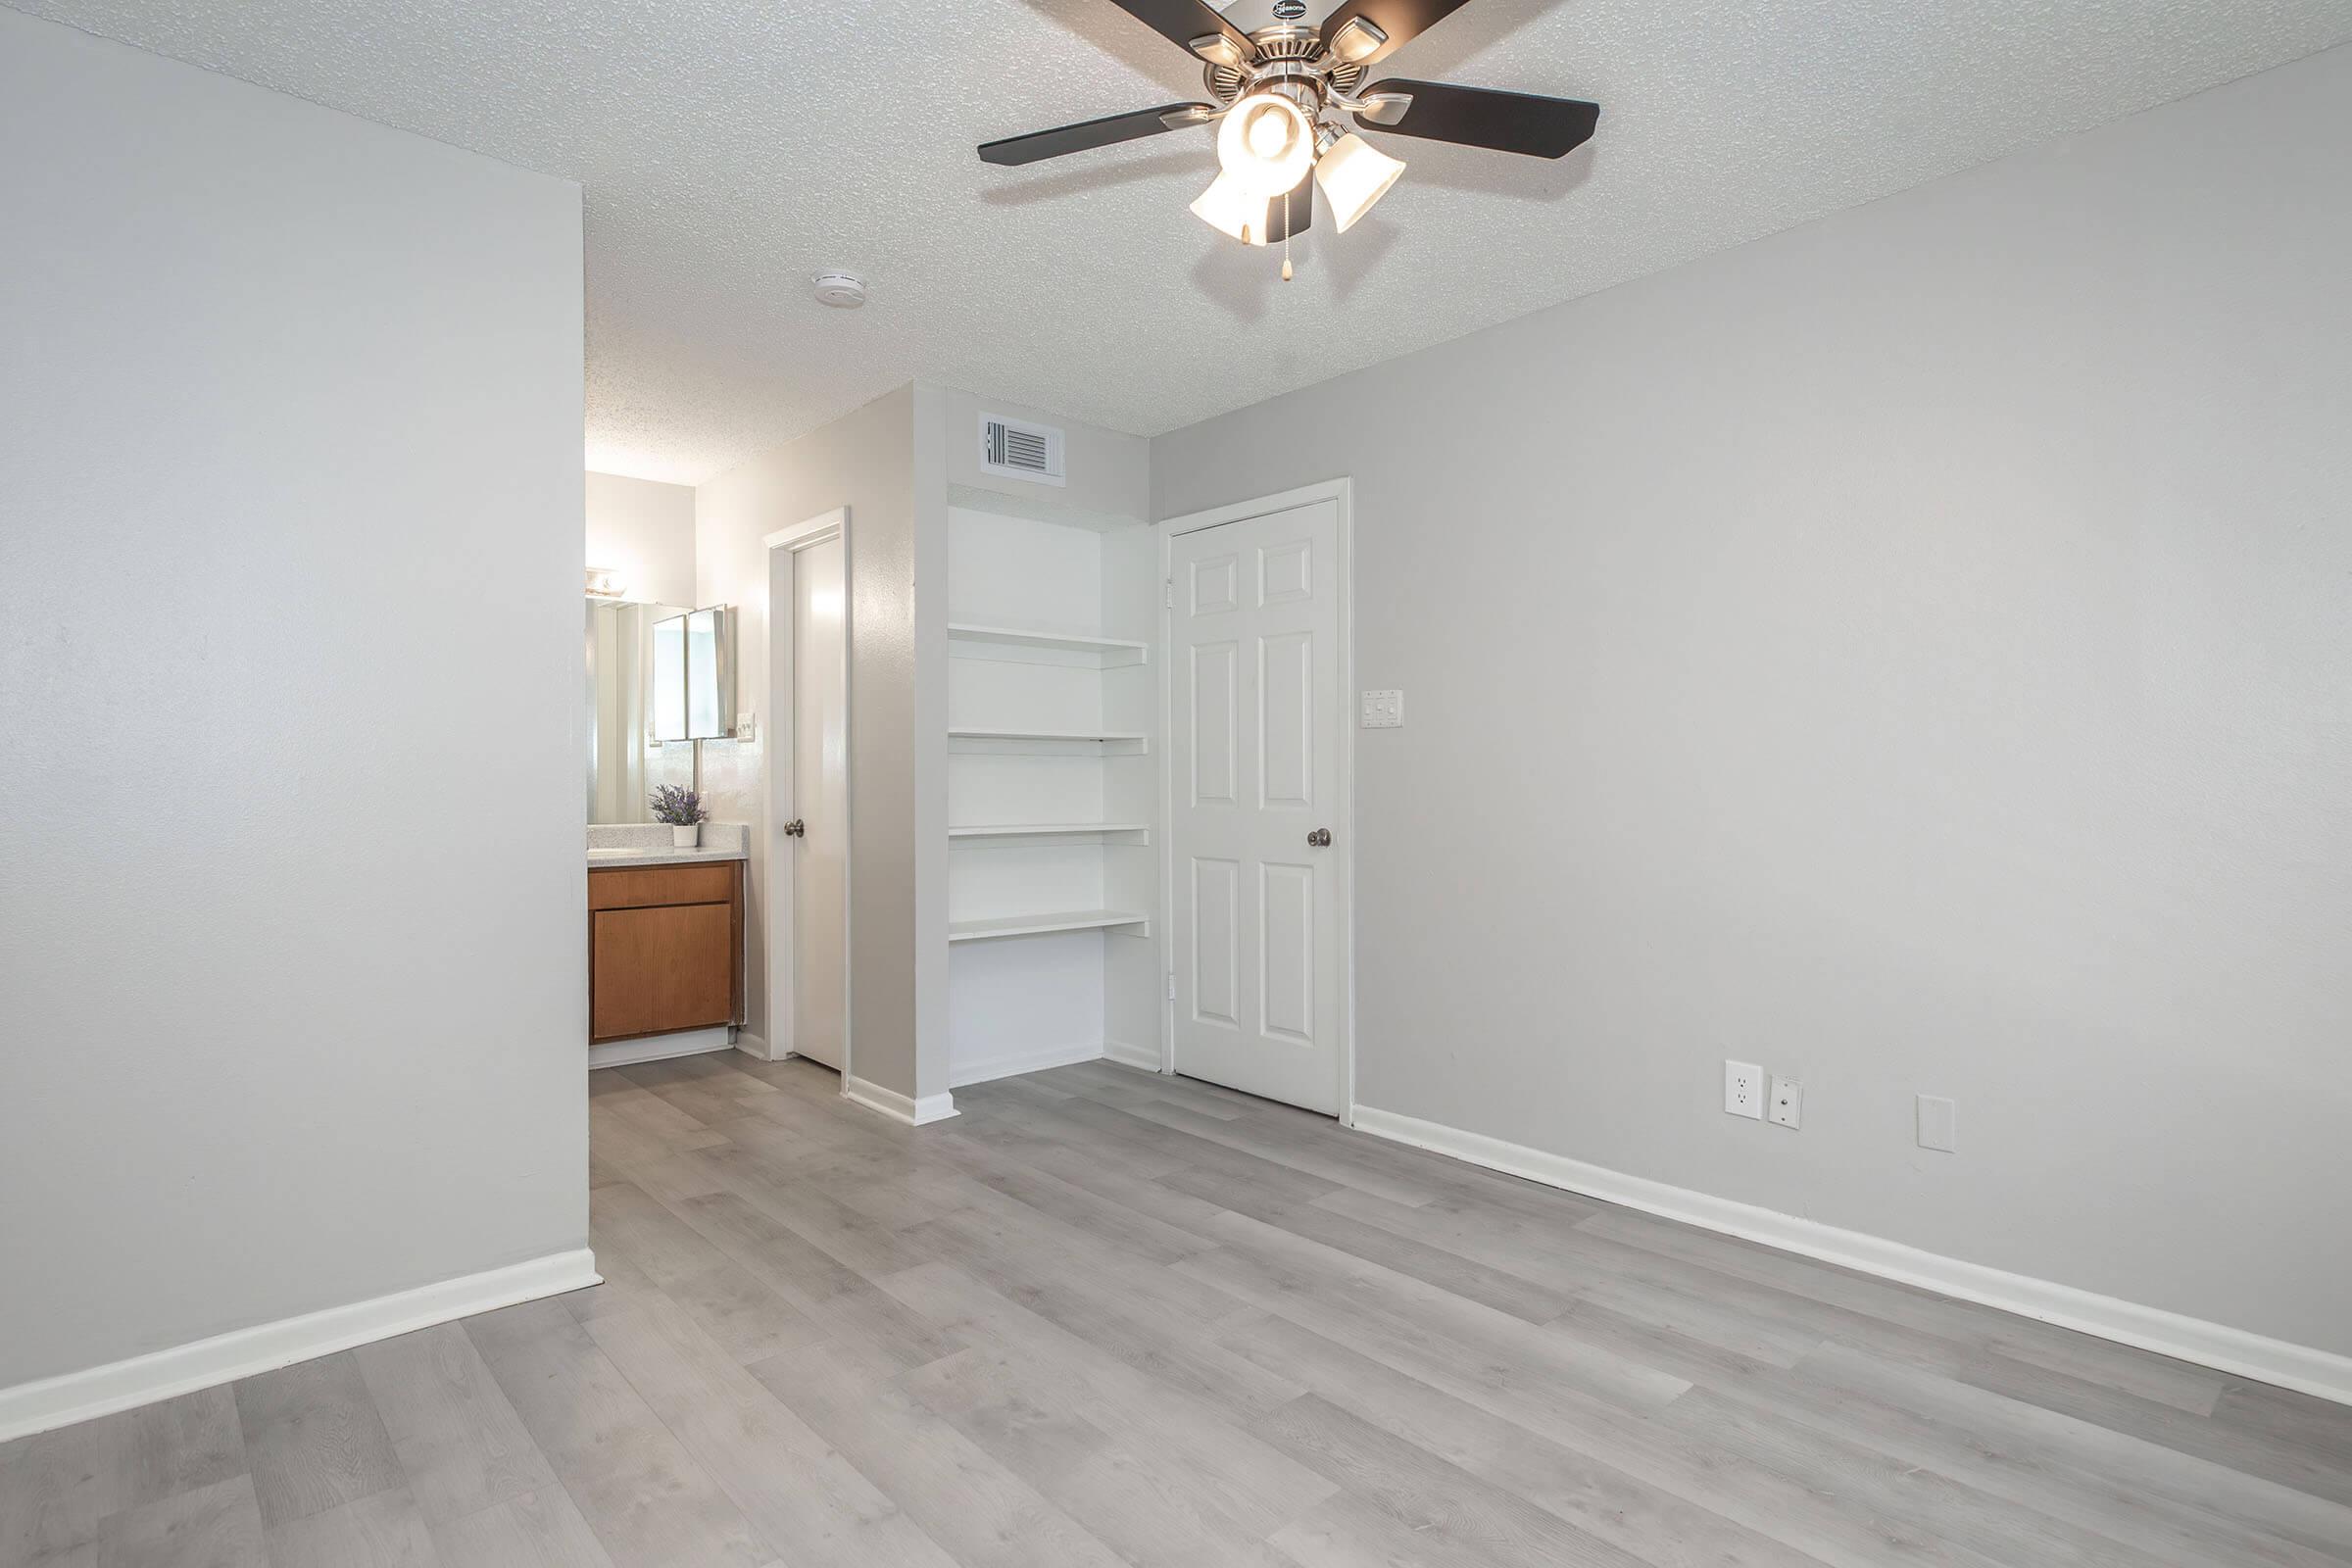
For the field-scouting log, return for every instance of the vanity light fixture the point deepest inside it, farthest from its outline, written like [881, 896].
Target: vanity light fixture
[604, 582]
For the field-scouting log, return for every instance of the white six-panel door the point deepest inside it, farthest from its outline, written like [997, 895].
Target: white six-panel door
[1255, 736]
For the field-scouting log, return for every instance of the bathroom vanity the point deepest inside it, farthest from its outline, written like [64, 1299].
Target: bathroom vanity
[666, 940]
[665, 950]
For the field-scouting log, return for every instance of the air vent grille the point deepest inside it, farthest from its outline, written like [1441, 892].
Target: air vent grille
[1019, 451]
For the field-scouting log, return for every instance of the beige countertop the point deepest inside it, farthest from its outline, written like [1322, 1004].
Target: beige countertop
[625, 845]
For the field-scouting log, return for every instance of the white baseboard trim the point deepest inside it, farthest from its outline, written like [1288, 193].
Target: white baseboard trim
[896, 1106]
[752, 1044]
[1030, 1062]
[657, 1047]
[97, 1390]
[2321, 1373]
[1129, 1055]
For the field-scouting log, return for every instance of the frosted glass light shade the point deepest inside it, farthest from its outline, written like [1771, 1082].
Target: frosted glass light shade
[1230, 209]
[1352, 176]
[1265, 144]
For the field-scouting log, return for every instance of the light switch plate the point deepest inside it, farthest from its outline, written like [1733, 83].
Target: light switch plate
[1938, 1124]
[1384, 710]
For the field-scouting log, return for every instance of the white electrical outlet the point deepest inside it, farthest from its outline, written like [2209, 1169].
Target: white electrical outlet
[1938, 1123]
[1744, 1089]
[1788, 1102]
[1383, 711]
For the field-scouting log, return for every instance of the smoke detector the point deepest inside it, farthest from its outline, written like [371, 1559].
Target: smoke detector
[840, 290]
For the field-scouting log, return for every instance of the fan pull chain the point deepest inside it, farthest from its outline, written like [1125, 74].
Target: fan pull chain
[1286, 236]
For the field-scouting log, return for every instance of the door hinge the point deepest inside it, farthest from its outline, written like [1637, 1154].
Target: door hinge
[1171, 985]
[1169, 599]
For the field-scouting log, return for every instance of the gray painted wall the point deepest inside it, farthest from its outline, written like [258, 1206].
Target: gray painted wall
[290, 507]
[866, 462]
[1911, 653]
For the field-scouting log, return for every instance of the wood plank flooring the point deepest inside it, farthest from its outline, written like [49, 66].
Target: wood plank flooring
[1107, 1318]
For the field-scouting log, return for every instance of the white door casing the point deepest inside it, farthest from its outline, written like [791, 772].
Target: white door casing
[808, 948]
[1258, 909]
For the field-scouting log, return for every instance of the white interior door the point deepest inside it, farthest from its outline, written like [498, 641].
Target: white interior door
[1255, 712]
[819, 853]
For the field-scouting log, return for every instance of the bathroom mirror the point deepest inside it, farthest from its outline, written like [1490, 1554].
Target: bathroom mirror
[636, 696]
[660, 677]
[709, 673]
[669, 680]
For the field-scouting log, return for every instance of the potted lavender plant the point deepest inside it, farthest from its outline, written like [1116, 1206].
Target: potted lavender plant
[682, 810]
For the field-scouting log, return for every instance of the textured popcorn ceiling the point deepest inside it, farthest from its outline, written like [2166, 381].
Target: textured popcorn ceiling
[732, 148]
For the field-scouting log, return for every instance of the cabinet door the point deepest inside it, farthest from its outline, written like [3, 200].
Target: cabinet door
[668, 967]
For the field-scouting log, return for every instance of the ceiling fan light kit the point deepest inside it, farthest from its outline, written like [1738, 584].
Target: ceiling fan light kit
[1265, 143]
[1279, 97]
[1352, 174]
[1231, 210]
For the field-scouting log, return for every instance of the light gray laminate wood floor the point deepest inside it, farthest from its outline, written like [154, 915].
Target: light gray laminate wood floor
[1109, 1318]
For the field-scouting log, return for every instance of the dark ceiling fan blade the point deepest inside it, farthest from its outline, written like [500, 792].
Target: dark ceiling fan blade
[1396, 22]
[1185, 23]
[1480, 117]
[1291, 213]
[1089, 135]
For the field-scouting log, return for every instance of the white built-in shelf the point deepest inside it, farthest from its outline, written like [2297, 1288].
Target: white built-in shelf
[1055, 830]
[1033, 925]
[1049, 739]
[969, 641]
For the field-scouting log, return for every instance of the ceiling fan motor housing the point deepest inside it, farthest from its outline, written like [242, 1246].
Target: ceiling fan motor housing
[1286, 53]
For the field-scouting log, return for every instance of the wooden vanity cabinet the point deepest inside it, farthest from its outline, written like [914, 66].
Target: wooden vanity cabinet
[664, 949]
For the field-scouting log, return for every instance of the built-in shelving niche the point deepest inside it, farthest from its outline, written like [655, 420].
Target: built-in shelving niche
[1052, 788]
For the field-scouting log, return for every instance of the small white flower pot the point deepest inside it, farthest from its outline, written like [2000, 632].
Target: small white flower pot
[686, 838]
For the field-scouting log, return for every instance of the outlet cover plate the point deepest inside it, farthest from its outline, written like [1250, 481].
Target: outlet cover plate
[1743, 1090]
[1786, 1107]
[1384, 710]
[1938, 1124]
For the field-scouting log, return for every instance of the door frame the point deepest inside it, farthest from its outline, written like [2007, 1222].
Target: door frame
[776, 799]
[1343, 491]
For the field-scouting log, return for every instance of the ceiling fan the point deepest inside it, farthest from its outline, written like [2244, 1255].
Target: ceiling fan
[1279, 94]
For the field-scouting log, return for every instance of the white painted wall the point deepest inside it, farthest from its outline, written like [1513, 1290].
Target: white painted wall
[643, 530]
[290, 503]
[867, 461]
[1911, 653]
